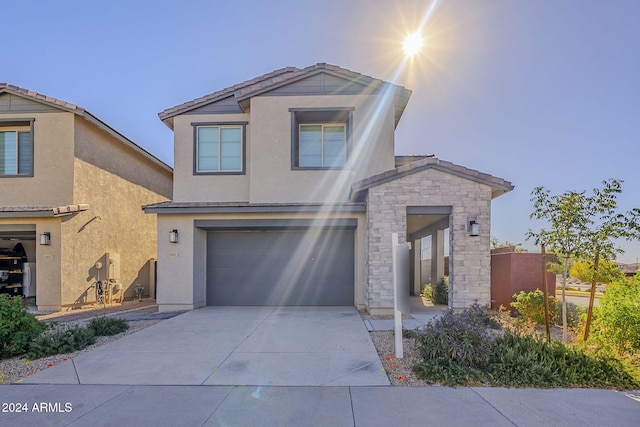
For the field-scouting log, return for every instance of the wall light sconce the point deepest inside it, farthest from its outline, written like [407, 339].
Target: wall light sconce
[45, 238]
[173, 236]
[474, 228]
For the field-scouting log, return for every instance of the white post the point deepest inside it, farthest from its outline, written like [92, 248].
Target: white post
[397, 314]
[400, 256]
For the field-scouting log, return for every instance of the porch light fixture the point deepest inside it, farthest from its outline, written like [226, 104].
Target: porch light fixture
[45, 238]
[474, 228]
[173, 236]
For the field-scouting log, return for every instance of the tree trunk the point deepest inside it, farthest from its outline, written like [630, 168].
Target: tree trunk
[592, 296]
[546, 293]
[564, 299]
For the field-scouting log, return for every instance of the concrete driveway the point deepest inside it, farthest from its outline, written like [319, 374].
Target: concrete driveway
[283, 346]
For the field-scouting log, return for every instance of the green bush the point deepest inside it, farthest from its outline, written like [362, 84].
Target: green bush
[18, 328]
[616, 324]
[530, 306]
[61, 341]
[427, 292]
[441, 291]
[106, 326]
[456, 345]
[464, 348]
[531, 361]
[574, 314]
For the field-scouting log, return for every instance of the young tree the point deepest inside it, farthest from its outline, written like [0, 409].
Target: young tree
[567, 216]
[608, 272]
[606, 225]
[583, 227]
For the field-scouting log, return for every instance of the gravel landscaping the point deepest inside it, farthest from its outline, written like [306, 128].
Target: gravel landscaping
[16, 368]
[399, 371]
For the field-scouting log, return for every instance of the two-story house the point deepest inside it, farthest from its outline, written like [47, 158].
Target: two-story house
[286, 192]
[71, 191]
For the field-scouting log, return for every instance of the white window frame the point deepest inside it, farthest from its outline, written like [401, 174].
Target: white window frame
[322, 162]
[218, 171]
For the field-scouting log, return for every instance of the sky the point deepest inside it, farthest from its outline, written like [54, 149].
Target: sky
[540, 93]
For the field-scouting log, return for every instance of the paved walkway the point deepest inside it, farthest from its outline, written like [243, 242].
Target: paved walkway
[185, 406]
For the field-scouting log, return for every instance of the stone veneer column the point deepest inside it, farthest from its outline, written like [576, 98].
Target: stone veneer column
[469, 255]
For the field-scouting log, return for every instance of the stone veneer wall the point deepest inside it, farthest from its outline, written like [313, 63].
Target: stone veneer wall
[470, 257]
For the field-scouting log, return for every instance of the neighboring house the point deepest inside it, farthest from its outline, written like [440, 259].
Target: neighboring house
[629, 270]
[71, 191]
[286, 192]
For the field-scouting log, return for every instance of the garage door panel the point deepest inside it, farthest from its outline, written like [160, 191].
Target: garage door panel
[280, 267]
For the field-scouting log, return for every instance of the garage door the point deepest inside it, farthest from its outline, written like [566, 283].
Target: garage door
[280, 267]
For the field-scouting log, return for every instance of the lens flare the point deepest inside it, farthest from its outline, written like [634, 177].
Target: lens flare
[413, 44]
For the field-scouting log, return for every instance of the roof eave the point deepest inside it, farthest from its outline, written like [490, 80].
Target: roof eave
[498, 185]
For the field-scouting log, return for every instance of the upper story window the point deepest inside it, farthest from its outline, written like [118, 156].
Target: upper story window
[322, 146]
[16, 148]
[219, 148]
[320, 137]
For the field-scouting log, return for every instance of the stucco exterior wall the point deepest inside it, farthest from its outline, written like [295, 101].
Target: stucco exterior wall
[188, 187]
[469, 255]
[115, 182]
[512, 272]
[51, 183]
[272, 178]
[269, 177]
[177, 274]
[182, 265]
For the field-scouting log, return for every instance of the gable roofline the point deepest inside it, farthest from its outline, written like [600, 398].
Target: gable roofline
[499, 186]
[282, 77]
[82, 112]
[219, 95]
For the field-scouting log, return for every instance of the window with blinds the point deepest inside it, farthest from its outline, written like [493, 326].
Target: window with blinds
[322, 146]
[219, 149]
[16, 152]
[321, 137]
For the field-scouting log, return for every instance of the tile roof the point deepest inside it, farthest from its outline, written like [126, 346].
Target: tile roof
[212, 97]
[54, 102]
[499, 185]
[42, 211]
[272, 80]
[6, 87]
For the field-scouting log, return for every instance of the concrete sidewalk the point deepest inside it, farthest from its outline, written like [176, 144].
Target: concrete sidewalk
[109, 405]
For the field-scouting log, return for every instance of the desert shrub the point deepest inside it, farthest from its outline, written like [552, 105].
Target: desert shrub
[465, 348]
[616, 323]
[574, 314]
[530, 361]
[427, 292]
[61, 341]
[456, 345]
[440, 291]
[530, 306]
[106, 326]
[18, 328]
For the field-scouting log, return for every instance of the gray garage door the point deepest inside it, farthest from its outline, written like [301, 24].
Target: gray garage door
[276, 267]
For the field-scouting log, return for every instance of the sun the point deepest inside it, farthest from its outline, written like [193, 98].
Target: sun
[413, 44]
